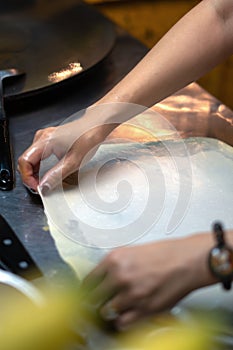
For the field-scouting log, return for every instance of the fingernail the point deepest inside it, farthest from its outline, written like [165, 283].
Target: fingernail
[109, 313]
[31, 189]
[44, 189]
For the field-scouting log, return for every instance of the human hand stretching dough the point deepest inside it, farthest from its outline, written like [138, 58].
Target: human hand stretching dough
[193, 46]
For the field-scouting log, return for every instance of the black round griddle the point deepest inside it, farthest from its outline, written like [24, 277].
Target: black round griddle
[44, 37]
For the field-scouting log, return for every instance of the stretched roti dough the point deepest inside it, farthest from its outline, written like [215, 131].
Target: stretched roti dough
[188, 184]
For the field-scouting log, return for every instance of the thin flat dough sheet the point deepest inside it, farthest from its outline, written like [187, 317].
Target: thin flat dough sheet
[133, 193]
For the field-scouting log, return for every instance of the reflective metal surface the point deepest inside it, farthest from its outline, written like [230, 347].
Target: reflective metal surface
[192, 111]
[21, 209]
[45, 38]
[21, 285]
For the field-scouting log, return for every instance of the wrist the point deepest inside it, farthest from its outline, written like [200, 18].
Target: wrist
[115, 111]
[199, 270]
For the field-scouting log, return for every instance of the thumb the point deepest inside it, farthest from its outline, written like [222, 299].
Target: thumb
[53, 177]
[70, 163]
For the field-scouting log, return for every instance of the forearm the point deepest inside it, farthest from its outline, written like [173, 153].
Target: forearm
[197, 43]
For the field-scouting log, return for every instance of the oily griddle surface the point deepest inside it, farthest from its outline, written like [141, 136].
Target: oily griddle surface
[43, 37]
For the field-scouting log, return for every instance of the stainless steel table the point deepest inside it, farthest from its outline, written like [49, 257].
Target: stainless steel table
[192, 110]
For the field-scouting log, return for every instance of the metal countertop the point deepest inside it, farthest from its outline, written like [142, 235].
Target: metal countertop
[192, 110]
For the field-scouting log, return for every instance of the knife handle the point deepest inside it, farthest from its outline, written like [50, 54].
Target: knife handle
[6, 164]
[13, 255]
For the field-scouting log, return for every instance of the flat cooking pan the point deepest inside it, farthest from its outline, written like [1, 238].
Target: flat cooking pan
[47, 39]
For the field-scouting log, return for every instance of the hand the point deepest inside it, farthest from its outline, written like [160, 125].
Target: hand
[73, 144]
[135, 282]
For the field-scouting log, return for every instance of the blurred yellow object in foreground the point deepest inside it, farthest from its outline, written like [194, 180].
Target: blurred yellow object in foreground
[175, 337]
[63, 318]
[25, 326]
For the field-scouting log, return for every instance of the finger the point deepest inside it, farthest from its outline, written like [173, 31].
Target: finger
[132, 299]
[121, 302]
[110, 311]
[28, 166]
[37, 135]
[29, 178]
[128, 318]
[125, 310]
[44, 134]
[125, 299]
[104, 291]
[94, 277]
[98, 285]
[65, 167]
